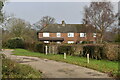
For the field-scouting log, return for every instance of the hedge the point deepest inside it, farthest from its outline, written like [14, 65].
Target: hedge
[16, 42]
[39, 47]
[66, 49]
[36, 47]
[95, 51]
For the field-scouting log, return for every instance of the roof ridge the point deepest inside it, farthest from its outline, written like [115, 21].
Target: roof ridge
[67, 28]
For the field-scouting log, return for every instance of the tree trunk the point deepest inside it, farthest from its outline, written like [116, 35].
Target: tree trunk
[101, 38]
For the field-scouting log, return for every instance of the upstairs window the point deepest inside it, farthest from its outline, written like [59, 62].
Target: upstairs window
[46, 34]
[94, 34]
[82, 34]
[70, 34]
[58, 34]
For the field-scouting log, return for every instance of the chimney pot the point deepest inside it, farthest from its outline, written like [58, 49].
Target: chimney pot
[63, 23]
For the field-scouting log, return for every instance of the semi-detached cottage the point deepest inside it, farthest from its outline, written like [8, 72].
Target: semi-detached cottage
[67, 33]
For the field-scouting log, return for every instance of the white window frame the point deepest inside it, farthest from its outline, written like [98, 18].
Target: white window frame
[46, 41]
[58, 42]
[46, 34]
[58, 34]
[94, 34]
[82, 34]
[70, 42]
[70, 34]
[81, 41]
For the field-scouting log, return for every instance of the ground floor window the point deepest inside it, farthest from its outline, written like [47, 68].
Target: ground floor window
[81, 41]
[58, 42]
[94, 42]
[69, 42]
[94, 34]
[46, 41]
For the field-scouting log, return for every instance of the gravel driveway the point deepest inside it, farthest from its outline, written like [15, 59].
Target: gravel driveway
[54, 69]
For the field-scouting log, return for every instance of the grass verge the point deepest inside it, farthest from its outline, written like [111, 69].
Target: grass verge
[109, 67]
[11, 69]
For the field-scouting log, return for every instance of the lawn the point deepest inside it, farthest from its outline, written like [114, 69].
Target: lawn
[110, 67]
[11, 69]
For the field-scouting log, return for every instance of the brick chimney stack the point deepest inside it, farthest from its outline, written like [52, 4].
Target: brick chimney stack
[63, 23]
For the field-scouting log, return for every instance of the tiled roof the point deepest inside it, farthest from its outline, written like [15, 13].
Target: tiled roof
[54, 28]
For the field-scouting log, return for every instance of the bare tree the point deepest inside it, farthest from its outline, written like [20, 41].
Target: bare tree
[100, 15]
[1, 21]
[19, 28]
[1, 14]
[2, 3]
[44, 21]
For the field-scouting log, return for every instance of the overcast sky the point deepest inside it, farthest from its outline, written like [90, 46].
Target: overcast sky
[70, 12]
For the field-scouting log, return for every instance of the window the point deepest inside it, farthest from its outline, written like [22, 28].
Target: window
[82, 34]
[58, 42]
[45, 34]
[94, 34]
[58, 34]
[94, 42]
[81, 41]
[40, 35]
[46, 41]
[70, 42]
[70, 34]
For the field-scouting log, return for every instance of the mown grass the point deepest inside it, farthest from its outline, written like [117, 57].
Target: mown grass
[110, 67]
[11, 69]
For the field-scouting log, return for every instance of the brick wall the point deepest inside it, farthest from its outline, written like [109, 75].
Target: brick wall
[76, 38]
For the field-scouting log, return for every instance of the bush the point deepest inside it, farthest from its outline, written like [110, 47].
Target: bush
[35, 46]
[117, 38]
[40, 47]
[112, 51]
[16, 42]
[95, 51]
[11, 69]
[30, 46]
[4, 44]
[66, 49]
[84, 42]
